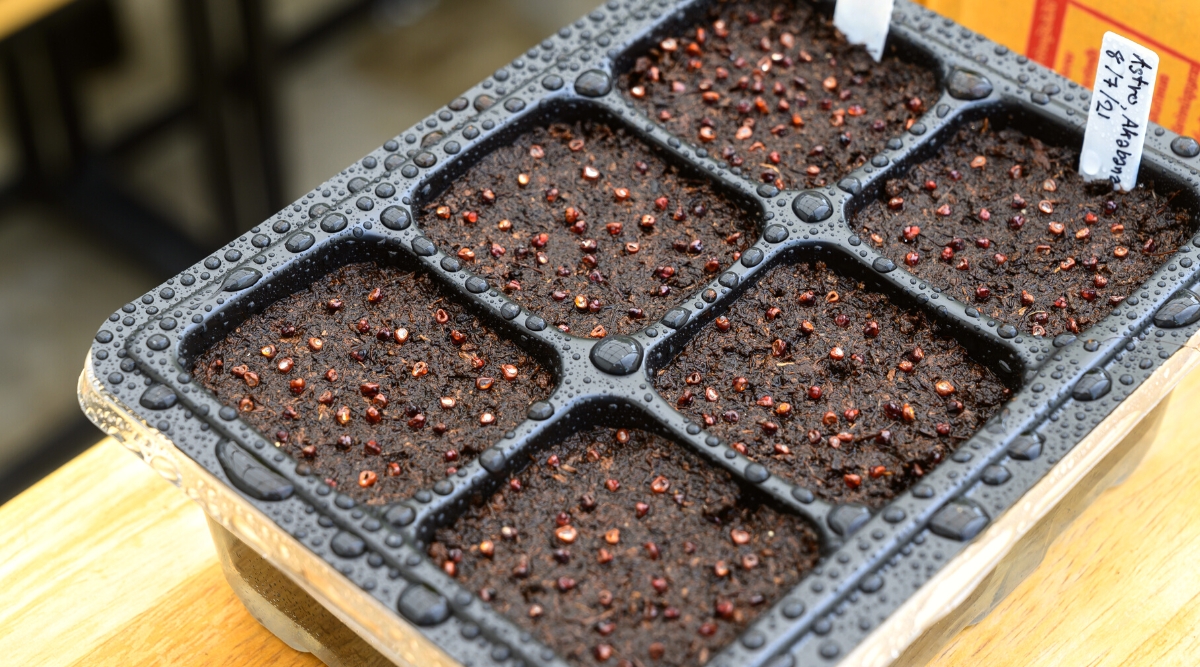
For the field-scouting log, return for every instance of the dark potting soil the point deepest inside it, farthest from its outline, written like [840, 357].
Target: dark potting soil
[1006, 223]
[777, 91]
[324, 373]
[832, 386]
[602, 238]
[623, 548]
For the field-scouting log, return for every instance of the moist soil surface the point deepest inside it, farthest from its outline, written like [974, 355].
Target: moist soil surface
[604, 236]
[378, 418]
[1001, 211]
[776, 91]
[664, 570]
[832, 386]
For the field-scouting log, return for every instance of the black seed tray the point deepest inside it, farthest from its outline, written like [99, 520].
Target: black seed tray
[368, 564]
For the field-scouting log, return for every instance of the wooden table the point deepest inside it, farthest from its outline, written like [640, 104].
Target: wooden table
[104, 563]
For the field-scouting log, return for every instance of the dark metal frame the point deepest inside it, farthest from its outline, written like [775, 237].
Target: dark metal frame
[873, 560]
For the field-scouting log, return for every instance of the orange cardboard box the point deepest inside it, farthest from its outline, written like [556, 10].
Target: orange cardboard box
[1065, 35]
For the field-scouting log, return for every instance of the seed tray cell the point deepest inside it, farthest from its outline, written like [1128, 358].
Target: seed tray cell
[832, 386]
[618, 545]
[777, 93]
[889, 583]
[373, 380]
[1003, 221]
[588, 227]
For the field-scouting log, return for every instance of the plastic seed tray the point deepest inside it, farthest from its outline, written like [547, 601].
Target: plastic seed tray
[896, 576]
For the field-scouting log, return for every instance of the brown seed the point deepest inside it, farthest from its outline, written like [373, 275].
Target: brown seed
[1046, 206]
[400, 335]
[487, 419]
[604, 556]
[509, 371]
[367, 478]
[711, 395]
[978, 162]
[484, 383]
[286, 365]
[297, 386]
[590, 173]
[343, 415]
[659, 584]
[612, 485]
[722, 323]
[660, 484]
[740, 537]
[331, 375]
[1057, 228]
[943, 388]
[566, 534]
[602, 652]
[315, 344]
[837, 354]
[487, 548]
[1120, 252]
[613, 536]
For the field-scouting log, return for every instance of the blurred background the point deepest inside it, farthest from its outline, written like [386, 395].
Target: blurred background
[138, 135]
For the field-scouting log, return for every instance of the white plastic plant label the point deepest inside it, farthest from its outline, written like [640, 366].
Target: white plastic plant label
[1120, 114]
[864, 22]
